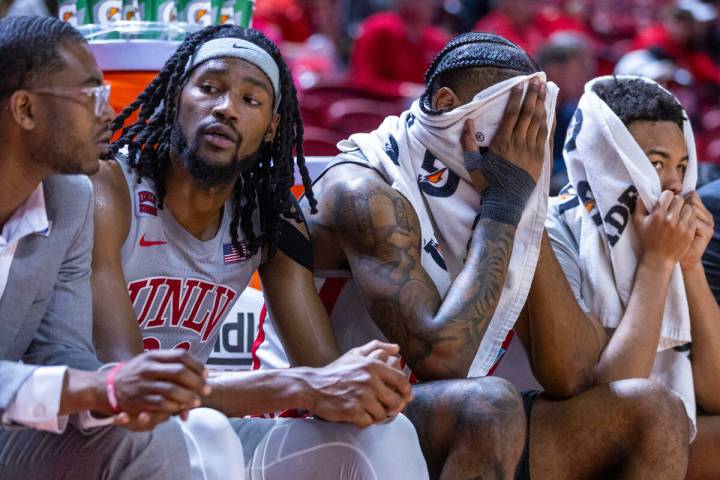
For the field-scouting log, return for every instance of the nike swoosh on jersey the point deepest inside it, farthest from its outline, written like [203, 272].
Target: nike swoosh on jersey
[150, 243]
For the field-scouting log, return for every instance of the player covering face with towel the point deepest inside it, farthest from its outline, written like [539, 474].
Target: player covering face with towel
[630, 231]
[428, 235]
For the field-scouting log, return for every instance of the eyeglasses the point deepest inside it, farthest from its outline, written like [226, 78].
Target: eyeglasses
[101, 94]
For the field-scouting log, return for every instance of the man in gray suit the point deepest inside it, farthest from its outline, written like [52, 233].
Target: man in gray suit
[54, 121]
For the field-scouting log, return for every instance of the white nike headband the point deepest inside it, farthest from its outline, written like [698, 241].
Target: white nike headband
[242, 49]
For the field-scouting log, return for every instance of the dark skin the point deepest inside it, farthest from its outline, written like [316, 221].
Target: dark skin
[675, 231]
[366, 226]
[369, 227]
[544, 328]
[381, 226]
[35, 145]
[27, 117]
[621, 423]
[226, 107]
[197, 208]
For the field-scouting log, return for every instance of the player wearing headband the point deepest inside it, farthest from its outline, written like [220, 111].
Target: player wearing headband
[196, 199]
[372, 266]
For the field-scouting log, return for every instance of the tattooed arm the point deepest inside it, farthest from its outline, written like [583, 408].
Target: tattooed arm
[380, 236]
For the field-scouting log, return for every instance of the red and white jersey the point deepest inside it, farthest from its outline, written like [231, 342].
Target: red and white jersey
[181, 288]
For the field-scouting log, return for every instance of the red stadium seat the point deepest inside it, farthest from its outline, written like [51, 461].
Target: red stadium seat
[320, 141]
[710, 119]
[359, 114]
[711, 151]
[314, 101]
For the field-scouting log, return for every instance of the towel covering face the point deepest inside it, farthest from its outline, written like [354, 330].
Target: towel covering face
[420, 154]
[609, 172]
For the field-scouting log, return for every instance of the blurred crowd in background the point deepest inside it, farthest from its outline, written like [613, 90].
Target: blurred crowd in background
[357, 61]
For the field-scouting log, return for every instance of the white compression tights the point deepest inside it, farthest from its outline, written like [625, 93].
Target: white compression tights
[305, 449]
[301, 449]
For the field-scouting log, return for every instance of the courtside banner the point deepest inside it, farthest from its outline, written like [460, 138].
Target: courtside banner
[237, 333]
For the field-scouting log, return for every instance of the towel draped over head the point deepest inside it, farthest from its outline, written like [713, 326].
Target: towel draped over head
[609, 171]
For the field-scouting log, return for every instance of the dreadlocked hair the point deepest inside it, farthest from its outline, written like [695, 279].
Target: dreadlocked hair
[266, 185]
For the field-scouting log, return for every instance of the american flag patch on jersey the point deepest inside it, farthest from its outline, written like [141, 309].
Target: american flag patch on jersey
[233, 255]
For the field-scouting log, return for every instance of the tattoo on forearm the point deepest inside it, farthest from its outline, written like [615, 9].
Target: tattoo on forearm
[401, 297]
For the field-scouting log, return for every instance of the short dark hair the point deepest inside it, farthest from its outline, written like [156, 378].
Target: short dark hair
[29, 49]
[635, 99]
[472, 58]
[266, 186]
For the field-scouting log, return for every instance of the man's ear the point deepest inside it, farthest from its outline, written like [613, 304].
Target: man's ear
[445, 100]
[22, 109]
[272, 128]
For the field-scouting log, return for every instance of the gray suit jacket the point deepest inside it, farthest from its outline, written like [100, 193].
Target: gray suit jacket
[46, 310]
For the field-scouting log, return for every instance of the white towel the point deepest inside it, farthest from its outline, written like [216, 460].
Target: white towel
[608, 170]
[422, 156]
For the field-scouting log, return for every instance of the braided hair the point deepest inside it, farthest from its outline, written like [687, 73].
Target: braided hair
[265, 186]
[474, 56]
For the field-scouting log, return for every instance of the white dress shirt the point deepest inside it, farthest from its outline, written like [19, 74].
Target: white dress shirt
[37, 402]
[29, 218]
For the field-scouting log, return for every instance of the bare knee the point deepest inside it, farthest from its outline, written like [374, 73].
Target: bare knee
[493, 417]
[653, 409]
[469, 428]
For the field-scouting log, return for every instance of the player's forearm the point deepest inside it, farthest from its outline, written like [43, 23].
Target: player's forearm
[705, 320]
[464, 315]
[565, 342]
[502, 174]
[117, 345]
[249, 393]
[116, 334]
[631, 351]
[83, 391]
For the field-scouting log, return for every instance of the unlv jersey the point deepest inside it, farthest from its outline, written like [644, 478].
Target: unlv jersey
[181, 288]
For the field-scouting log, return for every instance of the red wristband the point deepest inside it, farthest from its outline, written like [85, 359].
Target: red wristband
[110, 388]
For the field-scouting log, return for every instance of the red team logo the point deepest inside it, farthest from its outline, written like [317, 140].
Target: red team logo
[147, 203]
[150, 243]
[185, 303]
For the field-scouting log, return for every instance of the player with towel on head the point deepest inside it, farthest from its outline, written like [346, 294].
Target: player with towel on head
[196, 200]
[429, 233]
[630, 231]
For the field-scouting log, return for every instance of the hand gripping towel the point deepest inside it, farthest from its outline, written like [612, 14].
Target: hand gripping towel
[422, 157]
[609, 171]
